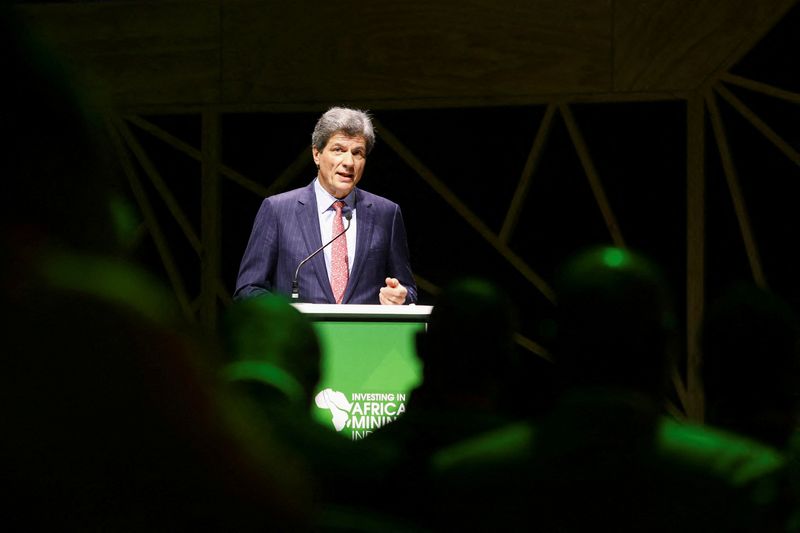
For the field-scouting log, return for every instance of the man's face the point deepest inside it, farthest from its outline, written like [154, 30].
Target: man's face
[341, 163]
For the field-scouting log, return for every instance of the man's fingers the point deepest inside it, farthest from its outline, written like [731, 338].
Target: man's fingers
[392, 295]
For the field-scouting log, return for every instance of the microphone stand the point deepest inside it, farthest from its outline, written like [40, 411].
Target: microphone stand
[295, 289]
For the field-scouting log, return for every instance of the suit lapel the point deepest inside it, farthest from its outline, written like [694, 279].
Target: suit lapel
[308, 220]
[366, 215]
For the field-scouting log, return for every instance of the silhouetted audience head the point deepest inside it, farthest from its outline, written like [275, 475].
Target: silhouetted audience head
[468, 344]
[273, 343]
[59, 176]
[751, 370]
[113, 422]
[614, 321]
[111, 417]
[604, 457]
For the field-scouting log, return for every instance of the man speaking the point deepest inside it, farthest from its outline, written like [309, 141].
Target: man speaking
[367, 260]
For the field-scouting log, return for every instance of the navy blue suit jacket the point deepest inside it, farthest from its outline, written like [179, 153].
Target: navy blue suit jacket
[286, 231]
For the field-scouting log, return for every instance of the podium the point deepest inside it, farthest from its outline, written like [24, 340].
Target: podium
[369, 363]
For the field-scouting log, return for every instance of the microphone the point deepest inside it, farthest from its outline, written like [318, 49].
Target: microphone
[347, 212]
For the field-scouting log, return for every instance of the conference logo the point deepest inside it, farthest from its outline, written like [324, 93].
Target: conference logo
[361, 413]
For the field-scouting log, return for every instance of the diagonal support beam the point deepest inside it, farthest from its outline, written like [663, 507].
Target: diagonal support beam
[280, 183]
[465, 212]
[760, 87]
[735, 190]
[160, 185]
[521, 193]
[759, 124]
[533, 346]
[591, 174]
[196, 154]
[160, 240]
[291, 172]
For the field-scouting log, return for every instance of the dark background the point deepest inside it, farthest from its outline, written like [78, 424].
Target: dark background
[464, 86]
[638, 149]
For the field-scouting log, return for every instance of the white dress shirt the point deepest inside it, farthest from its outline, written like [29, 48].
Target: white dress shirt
[326, 212]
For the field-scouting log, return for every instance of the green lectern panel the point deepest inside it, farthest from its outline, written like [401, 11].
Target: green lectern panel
[368, 368]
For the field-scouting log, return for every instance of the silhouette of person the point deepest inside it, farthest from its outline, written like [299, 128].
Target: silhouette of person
[751, 371]
[111, 419]
[274, 347]
[605, 457]
[467, 353]
[275, 364]
[751, 364]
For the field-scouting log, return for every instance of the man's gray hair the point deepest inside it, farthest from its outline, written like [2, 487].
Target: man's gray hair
[351, 122]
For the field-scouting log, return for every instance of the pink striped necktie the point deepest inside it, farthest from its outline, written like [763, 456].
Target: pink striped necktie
[339, 268]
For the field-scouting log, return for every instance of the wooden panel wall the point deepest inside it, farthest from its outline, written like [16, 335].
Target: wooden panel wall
[151, 53]
[407, 51]
[241, 54]
[675, 45]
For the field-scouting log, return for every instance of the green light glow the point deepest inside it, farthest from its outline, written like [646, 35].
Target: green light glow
[109, 279]
[614, 257]
[733, 456]
[124, 219]
[376, 357]
[265, 373]
[488, 448]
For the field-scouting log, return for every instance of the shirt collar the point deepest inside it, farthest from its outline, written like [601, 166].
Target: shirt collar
[326, 199]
